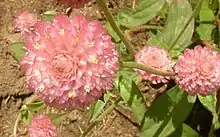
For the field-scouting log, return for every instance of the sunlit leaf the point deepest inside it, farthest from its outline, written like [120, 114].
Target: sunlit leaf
[144, 12]
[185, 131]
[17, 50]
[48, 15]
[206, 17]
[97, 108]
[132, 96]
[112, 32]
[167, 113]
[26, 116]
[56, 118]
[35, 106]
[209, 102]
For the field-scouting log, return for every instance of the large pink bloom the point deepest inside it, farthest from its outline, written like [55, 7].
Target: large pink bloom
[70, 62]
[198, 71]
[41, 126]
[24, 22]
[156, 57]
[74, 3]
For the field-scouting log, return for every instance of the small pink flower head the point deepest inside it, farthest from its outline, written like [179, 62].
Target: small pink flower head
[70, 62]
[74, 3]
[24, 22]
[156, 57]
[41, 126]
[198, 71]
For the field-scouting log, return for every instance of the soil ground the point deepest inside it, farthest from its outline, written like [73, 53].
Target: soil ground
[13, 92]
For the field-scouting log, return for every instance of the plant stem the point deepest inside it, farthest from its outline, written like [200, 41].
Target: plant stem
[148, 69]
[95, 122]
[32, 99]
[113, 24]
[195, 12]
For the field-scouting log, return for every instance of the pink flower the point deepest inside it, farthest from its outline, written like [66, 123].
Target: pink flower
[198, 71]
[70, 62]
[74, 3]
[24, 22]
[41, 126]
[156, 57]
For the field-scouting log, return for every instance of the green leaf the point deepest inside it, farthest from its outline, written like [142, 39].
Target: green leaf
[17, 50]
[209, 102]
[35, 106]
[184, 131]
[56, 118]
[48, 15]
[205, 31]
[26, 116]
[98, 106]
[206, 14]
[132, 96]
[206, 17]
[112, 32]
[167, 113]
[178, 15]
[144, 12]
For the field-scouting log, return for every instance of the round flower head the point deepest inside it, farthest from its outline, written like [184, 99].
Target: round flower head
[156, 57]
[74, 3]
[70, 62]
[198, 71]
[24, 22]
[41, 126]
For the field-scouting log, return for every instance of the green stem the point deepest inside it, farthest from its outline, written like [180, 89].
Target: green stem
[95, 122]
[32, 99]
[113, 24]
[195, 12]
[148, 69]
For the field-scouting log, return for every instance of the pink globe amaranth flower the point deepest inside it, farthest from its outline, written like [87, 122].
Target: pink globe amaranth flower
[198, 71]
[41, 126]
[70, 62]
[24, 22]
[74, 3]
[156, 57]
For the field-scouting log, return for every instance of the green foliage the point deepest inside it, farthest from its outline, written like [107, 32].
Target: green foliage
[178, 15]
[184, 131]
[112, 32]
[144, 12]
[206, 17]
[35, 106]
[209, 102]
[167, 113]
[132, 96]
[56, 117]
[26, 116]
[98, 106]
[17, 50]
[48, 15]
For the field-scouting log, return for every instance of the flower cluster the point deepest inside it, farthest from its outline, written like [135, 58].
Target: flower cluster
[69, 62]
[156, 57]
[41, 126]
[198, 71]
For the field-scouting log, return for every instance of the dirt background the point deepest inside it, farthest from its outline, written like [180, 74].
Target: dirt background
[13, 92]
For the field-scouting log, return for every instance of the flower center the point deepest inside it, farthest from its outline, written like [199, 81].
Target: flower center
[63, 65]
